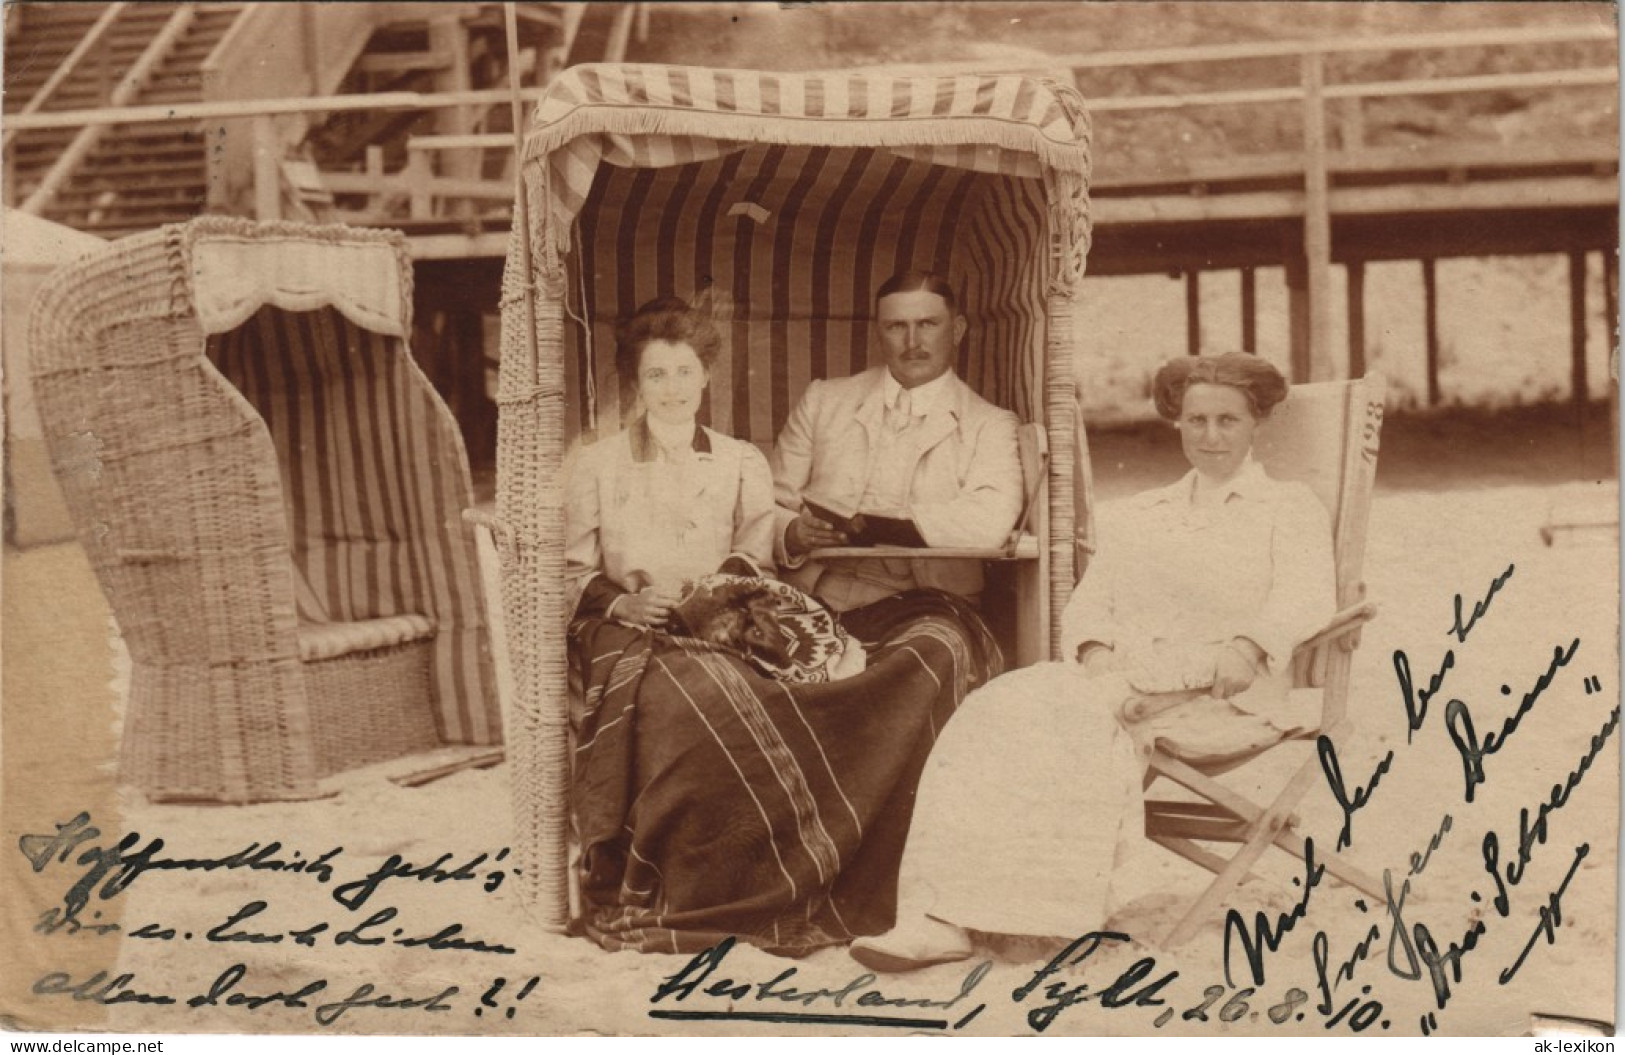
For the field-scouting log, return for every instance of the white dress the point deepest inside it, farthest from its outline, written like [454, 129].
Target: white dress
[1035, 784]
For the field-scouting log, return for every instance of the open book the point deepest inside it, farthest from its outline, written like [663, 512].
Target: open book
[864, 529]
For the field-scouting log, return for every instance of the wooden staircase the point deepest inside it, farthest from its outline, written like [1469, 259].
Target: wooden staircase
[407, 56]
[110, 180]
[386, 165]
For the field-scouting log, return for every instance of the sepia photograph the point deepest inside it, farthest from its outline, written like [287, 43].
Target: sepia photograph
[810, 519]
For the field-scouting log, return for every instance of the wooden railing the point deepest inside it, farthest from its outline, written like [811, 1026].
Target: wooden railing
[128, 87]
[64, 69]
[1314, 354]
[416, 192]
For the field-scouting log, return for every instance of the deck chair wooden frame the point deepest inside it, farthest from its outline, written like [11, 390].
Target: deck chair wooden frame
[1327, 436]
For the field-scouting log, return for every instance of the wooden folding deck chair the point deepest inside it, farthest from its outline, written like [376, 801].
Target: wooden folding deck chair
[1326, 436]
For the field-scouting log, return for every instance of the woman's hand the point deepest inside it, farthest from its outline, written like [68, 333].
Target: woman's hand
[1236, 668]
[1095, 658]
[647, 607]
[807, 533]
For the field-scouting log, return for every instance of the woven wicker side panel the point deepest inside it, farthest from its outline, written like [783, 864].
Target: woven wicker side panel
[374, 481]
[1060, 413]
[530, 547]
[173, 489]
[371, 706]
[1071, 482]
[175, 709]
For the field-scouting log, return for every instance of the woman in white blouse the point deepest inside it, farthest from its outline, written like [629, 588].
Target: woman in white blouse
[665, 500]
[1193, 606]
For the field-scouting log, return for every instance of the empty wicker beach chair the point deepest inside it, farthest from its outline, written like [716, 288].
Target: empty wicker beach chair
[270, 493]
[788, 197]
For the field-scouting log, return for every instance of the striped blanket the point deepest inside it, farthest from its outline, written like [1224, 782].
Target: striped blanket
[710, 801]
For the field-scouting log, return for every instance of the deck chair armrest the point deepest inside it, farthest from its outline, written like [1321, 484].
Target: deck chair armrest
[1033, 448]
[502, 535]
[1142, 706]
[1340, 626]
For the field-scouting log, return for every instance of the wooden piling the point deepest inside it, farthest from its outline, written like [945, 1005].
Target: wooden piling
[1193, 312]
[1430, 290]
[1249, 311]
[1356, 294]
[1317, 223]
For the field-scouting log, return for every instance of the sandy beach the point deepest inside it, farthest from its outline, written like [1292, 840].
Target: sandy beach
[1425, 547]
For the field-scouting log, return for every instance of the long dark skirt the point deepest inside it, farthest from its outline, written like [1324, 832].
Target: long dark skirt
[711, 801]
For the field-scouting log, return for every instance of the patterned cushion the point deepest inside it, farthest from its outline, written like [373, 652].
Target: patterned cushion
[318, 641]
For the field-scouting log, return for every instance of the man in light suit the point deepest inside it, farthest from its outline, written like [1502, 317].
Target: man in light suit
[907, 441]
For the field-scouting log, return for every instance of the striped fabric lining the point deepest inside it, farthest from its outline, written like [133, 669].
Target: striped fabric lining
[658, 116]
[372, 492]
[793, 292]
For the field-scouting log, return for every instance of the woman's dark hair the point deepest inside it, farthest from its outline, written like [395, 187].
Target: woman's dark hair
[668, 319]
[917, 281]
[1260, 382]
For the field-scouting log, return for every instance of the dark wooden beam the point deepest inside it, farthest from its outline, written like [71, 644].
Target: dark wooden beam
[1164, 247]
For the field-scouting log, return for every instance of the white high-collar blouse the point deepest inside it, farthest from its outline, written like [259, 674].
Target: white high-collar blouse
[1255, 563]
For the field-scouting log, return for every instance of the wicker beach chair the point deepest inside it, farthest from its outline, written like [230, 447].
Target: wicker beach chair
[788, 197]
[270, 494]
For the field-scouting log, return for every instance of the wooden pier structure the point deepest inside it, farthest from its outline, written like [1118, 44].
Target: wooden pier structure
[1337, 198]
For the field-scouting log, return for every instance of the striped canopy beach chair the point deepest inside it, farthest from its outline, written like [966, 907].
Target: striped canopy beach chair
[786, 198]
[270, 494]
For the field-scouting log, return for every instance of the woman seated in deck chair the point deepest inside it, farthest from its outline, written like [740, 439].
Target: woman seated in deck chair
[743, 766]
[1180, 635]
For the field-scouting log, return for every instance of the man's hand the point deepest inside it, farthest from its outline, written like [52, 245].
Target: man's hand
[647, 607]
[1236, 667]
[807, 532]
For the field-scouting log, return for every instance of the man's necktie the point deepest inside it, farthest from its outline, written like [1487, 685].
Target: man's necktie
[902, 413]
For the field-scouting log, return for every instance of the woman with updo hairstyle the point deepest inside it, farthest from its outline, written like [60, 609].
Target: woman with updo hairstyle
[1256, 379]
[665, 500]
[669, 319]
[1180, 636]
